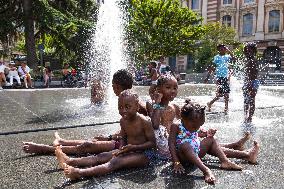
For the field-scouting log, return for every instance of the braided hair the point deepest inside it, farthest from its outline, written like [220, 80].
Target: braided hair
[190, 109]
[163, 79]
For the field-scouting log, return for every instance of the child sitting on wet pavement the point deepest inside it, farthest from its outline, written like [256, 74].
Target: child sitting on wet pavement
[121, 81]
[185, 145]
[136, 144]
[163, 112]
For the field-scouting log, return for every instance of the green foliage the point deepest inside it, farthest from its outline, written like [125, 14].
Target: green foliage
[161, 28]
[215, 33]
[62, 26]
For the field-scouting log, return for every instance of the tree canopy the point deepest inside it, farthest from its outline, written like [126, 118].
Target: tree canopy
[161, 28]
[214, 33]
[66, 23]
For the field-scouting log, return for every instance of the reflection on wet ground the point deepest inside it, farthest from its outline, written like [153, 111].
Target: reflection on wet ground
[47, 110]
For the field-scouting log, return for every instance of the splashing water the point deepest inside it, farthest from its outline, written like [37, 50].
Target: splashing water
[107, 53]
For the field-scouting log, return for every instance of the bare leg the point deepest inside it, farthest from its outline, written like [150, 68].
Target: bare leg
[209, 104]
[34, 148]
[187, 152]
[239, 145]
[251, 109]
[87, 147]
[250, 155]
[123, 161]
[246, 109]
[83, 161]
[60, 141]
[211, 146]
[226, 97]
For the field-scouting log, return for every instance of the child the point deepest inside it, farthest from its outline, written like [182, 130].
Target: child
[24, 72]
[13, 74]
[98, 91]
[153, 77]
[185, 146]
[163, 112]
[47, 76]
[251, 83]
[222, 72]
[121, 81]
[137, 142]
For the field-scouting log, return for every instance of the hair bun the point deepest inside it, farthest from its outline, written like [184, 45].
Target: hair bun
[188, 101]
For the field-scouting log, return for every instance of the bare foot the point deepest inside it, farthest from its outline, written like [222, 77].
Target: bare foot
[209, 107]
[242, 141]
[209, 177]
[34, 148]
[61, 157]
[71, 172]
[253, 152]
[230, 165]
[57, 140]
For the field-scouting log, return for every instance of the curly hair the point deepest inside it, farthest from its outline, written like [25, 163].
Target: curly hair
[123, 78]
[190, 108]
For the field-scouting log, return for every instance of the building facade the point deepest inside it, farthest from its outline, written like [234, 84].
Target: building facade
[260, 21]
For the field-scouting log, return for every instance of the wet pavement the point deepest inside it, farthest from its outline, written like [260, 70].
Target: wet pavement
[34, 115]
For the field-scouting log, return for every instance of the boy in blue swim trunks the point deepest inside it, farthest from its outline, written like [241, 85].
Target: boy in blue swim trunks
[136, 150]
[251, 83]
[185, 145]
[220, 65]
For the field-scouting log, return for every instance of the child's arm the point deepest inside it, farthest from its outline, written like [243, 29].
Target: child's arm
[156, 110]
[177, 110]
[178, 168]
[209, 133]
[210, 70]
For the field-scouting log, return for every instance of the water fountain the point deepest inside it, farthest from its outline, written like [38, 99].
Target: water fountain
[107, 54]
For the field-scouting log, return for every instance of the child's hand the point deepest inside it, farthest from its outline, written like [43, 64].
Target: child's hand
[211, 132]
[178, 168]
[157, 97]
[202, 133]
[124, 149]
[100, 138]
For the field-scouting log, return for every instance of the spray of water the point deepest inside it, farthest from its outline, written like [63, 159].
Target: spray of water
[108, 46]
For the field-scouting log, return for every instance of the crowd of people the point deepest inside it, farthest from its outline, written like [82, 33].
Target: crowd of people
[20, 74]
[157, 130]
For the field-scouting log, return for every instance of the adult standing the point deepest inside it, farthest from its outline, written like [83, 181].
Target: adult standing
[221, 67]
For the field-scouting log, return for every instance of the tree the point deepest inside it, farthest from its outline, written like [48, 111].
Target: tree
[69, 23]
[160, 28]
[214, 34]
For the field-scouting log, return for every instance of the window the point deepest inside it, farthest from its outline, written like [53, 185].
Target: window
[248, 1]
[247, 24]
[227, 20]
[195, 4]
[225, 2]
[274, 21]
